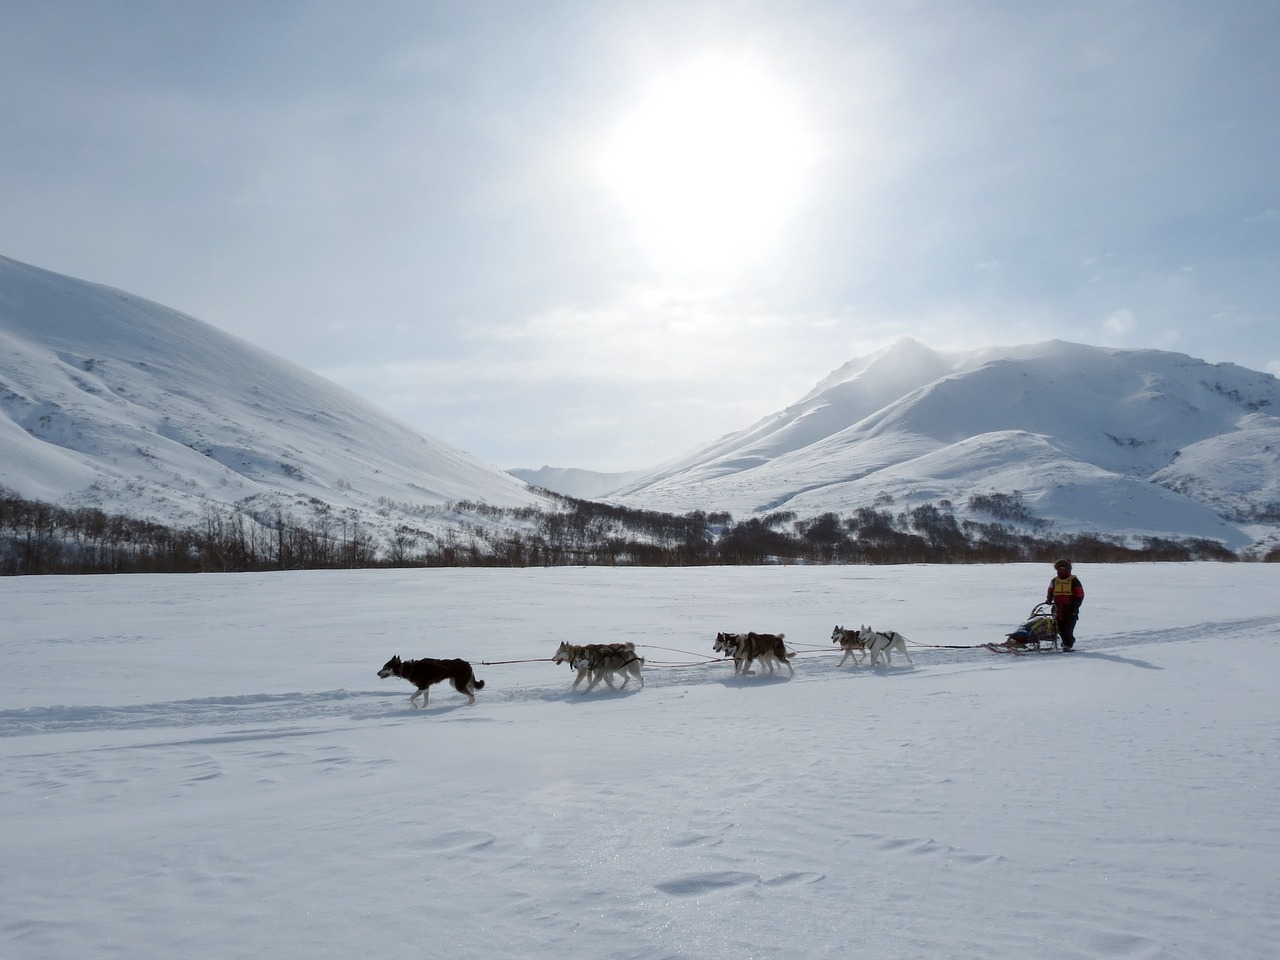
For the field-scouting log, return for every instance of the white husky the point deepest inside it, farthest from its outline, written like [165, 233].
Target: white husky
[879, 641]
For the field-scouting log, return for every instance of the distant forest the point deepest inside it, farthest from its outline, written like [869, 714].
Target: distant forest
[40, 538]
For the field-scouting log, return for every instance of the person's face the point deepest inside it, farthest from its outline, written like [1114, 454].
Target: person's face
[1063, 570]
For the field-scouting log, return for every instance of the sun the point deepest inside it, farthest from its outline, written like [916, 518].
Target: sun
[710, 163]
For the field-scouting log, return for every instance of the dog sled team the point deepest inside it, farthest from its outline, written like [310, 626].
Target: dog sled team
[605, 662]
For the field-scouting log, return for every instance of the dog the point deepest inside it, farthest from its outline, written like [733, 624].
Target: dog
[423, 673]
[569, 653]
[731, 645]
[851, 643]
[734, 645]
[878, 642]
[581, 653]
[746, 648]
[605, 661]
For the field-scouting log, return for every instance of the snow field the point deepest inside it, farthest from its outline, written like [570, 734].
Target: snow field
[210, 766]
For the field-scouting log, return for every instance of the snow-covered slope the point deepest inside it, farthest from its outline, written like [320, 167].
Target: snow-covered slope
[1129, 442]
[112, 401]
[574, 482]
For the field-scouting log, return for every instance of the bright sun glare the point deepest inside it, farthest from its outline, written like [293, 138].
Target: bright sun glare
[710, 163]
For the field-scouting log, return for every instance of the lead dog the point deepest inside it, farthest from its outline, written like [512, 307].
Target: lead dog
[423, 673]
[878, 642]
[746, 648]
[575, 653]
[851, 643]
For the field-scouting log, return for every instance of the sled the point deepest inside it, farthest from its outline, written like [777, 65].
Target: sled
[1039, 632]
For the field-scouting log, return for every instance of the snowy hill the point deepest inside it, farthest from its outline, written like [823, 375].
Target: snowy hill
[1119, 442]
[111, 401]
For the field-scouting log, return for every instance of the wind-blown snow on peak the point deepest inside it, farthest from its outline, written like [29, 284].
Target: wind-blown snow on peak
[1123, 442]
[112, 401]
[887, 374]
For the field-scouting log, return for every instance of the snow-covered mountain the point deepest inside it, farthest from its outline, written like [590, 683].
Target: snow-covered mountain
[111, 401]
[1124, 442]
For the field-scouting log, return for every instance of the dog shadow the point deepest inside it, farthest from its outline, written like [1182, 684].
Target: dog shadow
[432, 709]
[879, 670]
[578, 696]
[753, 680]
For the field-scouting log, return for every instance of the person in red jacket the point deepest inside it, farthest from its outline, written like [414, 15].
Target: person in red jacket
[1066, 594]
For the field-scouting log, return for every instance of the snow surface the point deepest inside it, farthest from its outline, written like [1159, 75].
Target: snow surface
[208, 766]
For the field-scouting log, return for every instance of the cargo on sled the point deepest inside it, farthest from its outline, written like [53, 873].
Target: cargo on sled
[1038, 632]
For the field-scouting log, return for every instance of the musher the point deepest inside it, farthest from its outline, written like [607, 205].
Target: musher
[1066, 594]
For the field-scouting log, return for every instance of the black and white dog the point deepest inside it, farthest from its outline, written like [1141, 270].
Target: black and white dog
[423, 673]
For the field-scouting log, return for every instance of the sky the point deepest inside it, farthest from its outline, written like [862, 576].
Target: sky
[600, 235]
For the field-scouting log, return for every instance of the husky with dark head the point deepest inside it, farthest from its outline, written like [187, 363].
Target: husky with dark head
[851, 643]
[879, 641]
[745, 648]
[423, 673]
[730, 645]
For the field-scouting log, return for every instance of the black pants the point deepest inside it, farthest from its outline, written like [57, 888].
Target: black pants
[1067, 631]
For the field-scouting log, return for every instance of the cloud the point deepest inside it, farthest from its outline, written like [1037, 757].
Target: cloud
[1120, 323]
[631, 381]
[401, 196]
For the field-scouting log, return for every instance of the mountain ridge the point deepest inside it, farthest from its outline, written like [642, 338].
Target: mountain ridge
[1140, 442]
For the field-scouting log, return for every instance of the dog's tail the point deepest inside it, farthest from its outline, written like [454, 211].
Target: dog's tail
[479, 684]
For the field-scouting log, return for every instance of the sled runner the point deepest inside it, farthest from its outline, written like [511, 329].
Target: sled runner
[1039, 632]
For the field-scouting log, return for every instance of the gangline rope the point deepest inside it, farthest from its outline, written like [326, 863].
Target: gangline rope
[704, 660]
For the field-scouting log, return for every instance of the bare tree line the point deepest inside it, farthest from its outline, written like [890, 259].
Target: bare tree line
[40, 538]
